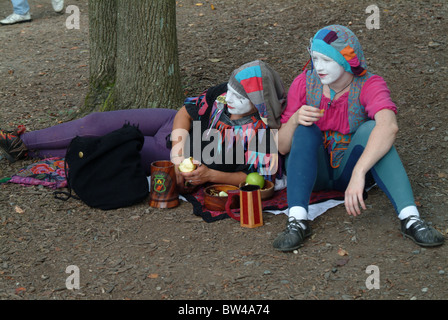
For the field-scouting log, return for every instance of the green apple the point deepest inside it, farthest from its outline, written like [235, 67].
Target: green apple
[255, 178]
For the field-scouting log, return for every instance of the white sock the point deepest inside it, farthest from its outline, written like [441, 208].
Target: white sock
[407, 212]
[298, 213]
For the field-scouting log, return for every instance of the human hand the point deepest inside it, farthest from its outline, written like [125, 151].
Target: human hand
[354, 195]
[307, 115]
[183, 187]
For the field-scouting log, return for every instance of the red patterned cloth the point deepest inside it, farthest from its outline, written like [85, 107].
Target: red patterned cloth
[277, 202]
[48, 172]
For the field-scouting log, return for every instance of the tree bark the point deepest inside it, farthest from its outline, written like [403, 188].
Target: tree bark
[103, 52]
[134, 56]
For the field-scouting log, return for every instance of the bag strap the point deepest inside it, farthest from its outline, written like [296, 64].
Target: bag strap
[63, 195]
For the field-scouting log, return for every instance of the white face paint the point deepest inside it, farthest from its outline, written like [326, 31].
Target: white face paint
[236, 103]
[328, 70]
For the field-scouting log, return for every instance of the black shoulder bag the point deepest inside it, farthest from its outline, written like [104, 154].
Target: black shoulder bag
[106, 172]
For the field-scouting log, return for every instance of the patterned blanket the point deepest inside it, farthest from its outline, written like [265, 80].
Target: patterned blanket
[48, 172]
[277, 202]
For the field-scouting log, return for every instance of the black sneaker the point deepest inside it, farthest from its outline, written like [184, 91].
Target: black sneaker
[293, 236]
[12, 146]
[421, 233]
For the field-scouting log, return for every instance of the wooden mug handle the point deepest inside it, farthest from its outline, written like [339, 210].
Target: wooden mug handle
[231, 194]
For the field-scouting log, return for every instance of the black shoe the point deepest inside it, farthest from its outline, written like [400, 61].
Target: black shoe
[293, 236]
[12, 146]
[421, 233]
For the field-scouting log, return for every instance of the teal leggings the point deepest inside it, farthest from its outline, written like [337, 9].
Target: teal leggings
[308, 168]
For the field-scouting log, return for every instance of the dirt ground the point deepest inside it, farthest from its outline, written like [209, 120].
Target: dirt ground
[144, 253]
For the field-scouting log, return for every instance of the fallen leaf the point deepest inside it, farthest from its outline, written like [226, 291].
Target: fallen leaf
[20, 290]
[18, 209]
[433, 44]
[214, 60]
[342, 262]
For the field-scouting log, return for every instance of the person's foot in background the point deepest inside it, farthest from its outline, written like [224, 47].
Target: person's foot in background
[58, 5]
[16, 18]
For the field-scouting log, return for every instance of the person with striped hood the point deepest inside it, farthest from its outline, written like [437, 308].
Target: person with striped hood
[235, 120]
[338, 128]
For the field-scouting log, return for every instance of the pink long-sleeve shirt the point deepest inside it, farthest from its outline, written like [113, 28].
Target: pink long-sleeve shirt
[375, 96]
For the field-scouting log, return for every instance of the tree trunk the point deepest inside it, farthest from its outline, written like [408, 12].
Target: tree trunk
[134, 57]
[147, 61]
